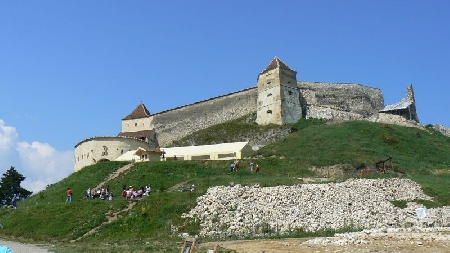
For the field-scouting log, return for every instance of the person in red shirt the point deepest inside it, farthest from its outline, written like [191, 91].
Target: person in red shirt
[69, 196]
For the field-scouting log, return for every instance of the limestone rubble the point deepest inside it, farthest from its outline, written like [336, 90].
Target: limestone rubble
[413, 235]
[235, 211]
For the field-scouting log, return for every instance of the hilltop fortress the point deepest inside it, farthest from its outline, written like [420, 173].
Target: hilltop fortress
[278, 98]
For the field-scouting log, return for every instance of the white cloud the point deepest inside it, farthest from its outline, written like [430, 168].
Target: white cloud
[44, 164]
[8, 137]
[8, 140]
[40, 163]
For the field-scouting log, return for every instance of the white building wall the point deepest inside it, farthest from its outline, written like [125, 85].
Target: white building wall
[92, 150]
[135, 125]
[224, 151]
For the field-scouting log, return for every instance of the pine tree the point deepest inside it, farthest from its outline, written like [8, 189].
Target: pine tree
[10, 186]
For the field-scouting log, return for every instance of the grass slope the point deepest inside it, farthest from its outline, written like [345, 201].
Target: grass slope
[362, 142]
[422, 154]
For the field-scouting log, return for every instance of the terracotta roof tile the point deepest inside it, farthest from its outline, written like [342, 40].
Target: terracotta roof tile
[140, 112]
[138, 134]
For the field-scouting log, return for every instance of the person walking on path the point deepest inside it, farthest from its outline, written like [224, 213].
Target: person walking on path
[88, 193]
[69, 196]
[14, 202]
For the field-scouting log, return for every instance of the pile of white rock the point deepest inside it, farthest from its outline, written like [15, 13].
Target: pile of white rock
[413, 235]
[356, 203]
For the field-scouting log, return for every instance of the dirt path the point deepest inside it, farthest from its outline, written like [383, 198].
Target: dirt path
[18, 247]
[114, 175]
[176, 186]
[110, 216]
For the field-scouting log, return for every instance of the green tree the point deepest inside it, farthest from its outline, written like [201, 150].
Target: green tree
[10, 186]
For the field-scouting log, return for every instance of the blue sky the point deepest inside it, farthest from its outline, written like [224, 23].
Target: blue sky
[73, 69]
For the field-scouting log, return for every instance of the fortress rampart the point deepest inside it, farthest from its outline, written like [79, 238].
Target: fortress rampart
[332, 101]
[94, 149]
[278, 98]
[340, 101]
[179, 122]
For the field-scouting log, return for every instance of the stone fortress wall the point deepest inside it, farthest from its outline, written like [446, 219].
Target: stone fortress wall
[340, 101]
[174, 124]
[278, 98]
[95, 149]
[331, 101]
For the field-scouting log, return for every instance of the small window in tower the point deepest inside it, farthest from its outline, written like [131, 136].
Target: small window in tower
[269, 111]
[135, 124]
[270, 94]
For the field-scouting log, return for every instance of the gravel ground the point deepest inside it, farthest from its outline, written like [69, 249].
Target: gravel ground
[18, 247]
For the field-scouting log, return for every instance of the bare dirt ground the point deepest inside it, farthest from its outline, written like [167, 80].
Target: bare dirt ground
[294, 245]
[17, 247]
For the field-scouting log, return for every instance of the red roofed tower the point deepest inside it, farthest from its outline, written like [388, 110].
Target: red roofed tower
[138, 124]
[278, 95]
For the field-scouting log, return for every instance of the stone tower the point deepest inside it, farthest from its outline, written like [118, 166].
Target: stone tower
[278, 95]
[412, 108]
[138, 125]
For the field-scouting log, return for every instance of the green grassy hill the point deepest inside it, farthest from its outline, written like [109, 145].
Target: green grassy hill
[146, 224]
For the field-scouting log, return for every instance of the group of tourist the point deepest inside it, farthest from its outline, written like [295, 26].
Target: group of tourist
[253, 167]
[100, 193]
[234, 166]
[105, 194]
[131, 193]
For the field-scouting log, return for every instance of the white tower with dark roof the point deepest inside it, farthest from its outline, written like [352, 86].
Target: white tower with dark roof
[278, 95]
[138, 124]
